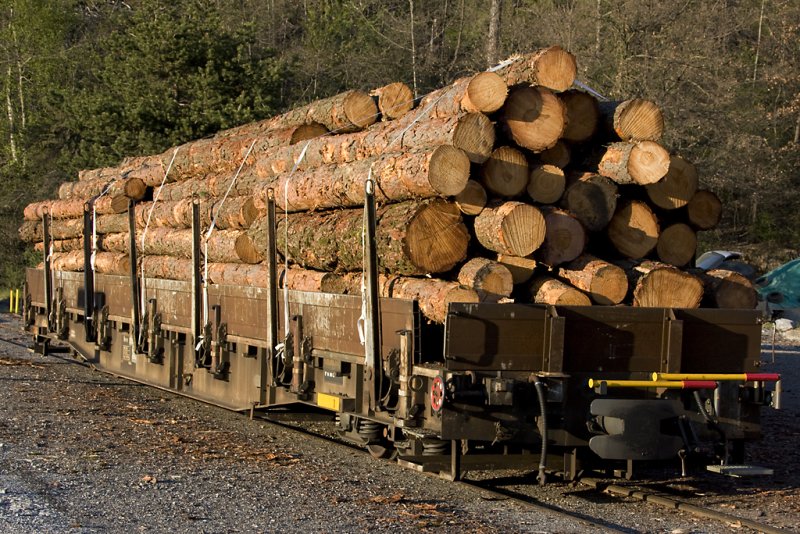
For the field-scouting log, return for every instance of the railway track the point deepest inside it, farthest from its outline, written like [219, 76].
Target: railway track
[312, 425]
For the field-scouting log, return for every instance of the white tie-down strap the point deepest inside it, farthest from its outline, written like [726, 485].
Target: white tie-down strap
[596, 94]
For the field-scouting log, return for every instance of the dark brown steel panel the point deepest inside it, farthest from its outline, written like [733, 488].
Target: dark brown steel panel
[487, 336]
[34, 278]
[720, 341]
[613, 339]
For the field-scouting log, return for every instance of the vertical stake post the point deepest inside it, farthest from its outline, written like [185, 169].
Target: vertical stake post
[135, 290]
[197, 298]
[88, 274]
[373, 320]
[48, 278]
[272, 298]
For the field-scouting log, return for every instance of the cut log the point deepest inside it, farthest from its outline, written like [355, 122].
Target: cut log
[564, 238]
[521, 269]
[105, 262]
[510, 227]
[546, 184]
[394, 100]
[177, 243]
[472, 199]
[61, 245]
[490, 279]
[657, 285]
[534, 118]
[235, 213]
[473, 133]
[413, 238]
[704, 210]
[505, 173]
[552, 67]
[729, 289]
[634, 120]
[677, 244]
[546, 290]
[346, 112]
[304, 132]
[167, 267]
[633, 230]
[133, 188]
[441, 171]
[605, 283]
[558, 156]
[677, 188]
[486, 92]
[583, 115]
[31, 231]
[642, 163]
[58, 209]
[592, 199]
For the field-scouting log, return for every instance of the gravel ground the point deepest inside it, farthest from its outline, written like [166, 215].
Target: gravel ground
[81, 451]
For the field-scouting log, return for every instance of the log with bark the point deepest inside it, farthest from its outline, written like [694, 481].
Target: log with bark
[394, 100]
[472, 199]
[490, 279]
[505, 173]
[677, 244]
[583, 115]
[592, 199]
[552, 67]
[704, 210]
[658, 285]
[61, 245]
[564, 238]
[511, 227]
[413, 238]
[132, 188]
[220, 246]
[31, 231]
[633, 120]
[547, 290]
[642, 163]
[677, 188]
[440, 171]
[605, 283]
[729, 289]
[105, 262]
[633, 230]
[546, 184]
[534, 118]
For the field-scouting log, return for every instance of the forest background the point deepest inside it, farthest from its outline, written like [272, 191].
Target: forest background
[84, 83]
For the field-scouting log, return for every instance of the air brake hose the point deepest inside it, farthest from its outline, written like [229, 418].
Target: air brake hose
[543, 417]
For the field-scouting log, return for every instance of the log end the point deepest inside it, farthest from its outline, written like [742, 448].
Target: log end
[677, 244]
[486, 92]
[246, 250]
[472, 199]
[505, 173]
[583, 116]
[667, 287]
[534, 118]
[639, 120]
[449, 169]
[474, 134]
[394, 100]
[546, 184]
[360, 109]
[304, 132]
[555, 69]
[731, 290]
[648, 163]
[633, 230]
[436, 239]
[677, 188]
[704, 210]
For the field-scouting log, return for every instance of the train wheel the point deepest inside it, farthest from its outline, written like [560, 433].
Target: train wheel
[384, 449]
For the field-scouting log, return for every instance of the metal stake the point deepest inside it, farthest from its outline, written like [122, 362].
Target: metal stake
[88, 274]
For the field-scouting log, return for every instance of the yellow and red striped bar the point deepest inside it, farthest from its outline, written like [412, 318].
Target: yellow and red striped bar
[670, 384]
[746, 377]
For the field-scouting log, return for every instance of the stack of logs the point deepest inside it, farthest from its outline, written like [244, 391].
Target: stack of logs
[504, 185]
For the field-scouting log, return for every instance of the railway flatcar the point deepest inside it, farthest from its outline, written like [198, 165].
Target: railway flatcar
[496, 386]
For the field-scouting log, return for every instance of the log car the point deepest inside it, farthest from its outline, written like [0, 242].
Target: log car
[496, 386]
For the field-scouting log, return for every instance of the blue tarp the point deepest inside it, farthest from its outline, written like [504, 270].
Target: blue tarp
[781, 287]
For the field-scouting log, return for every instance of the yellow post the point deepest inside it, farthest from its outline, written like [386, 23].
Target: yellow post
[16, 302]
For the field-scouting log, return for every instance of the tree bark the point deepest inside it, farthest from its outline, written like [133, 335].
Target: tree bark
[510, 227]
[564, 238]
[61, 245]
[490, 279]
[728, 289]
[546, 290]
[472, 199]
[413, 238]
[546, 184]
[633, 120]
[534, 118]
[493, 35]
[634, 230]
[677, 188]
[677, 244]
[592, 199]
[583, 115]
[505, 173]
[177, 243]
[105, 262]
[31, 231]
[553, 68]
[441, 171]
[605, 283]
[133, 188]
[642, 163]
[657, 285]
[521, 269]
[704, 210]
[394, 100]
